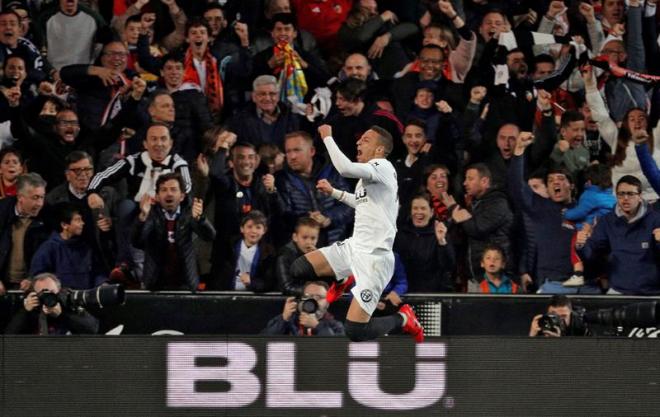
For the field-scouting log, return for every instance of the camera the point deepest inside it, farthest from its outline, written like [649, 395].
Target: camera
[552, 323]
[307, 305]
[99, 297]
[48, 298]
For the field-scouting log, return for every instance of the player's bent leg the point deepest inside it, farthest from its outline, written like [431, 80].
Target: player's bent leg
[320, 264]
[361, 327]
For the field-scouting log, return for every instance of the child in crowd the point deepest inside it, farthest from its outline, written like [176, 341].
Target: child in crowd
[495, 280]
[597, 200]
[303, 240]
[272, 158]
[250, 262]
[11, 166]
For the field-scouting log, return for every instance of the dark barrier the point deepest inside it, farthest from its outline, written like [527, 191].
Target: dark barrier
[244, 313]
[307, 377]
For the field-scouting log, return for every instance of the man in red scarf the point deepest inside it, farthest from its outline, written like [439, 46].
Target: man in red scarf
[201, 67]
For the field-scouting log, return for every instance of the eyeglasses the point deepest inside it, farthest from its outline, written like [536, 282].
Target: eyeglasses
[628, 194]
[80, 171]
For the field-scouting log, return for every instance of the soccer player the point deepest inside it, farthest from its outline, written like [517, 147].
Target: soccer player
[366, 257]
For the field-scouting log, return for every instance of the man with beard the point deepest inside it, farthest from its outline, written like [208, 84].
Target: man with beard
[46, 146]
[165, 230]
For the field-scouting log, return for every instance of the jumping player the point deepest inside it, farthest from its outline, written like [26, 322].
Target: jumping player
[367, 256]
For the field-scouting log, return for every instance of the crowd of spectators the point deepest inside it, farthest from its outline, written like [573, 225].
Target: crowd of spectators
[172, 145]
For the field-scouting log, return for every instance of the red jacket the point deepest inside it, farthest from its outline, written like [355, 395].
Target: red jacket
[322, 18]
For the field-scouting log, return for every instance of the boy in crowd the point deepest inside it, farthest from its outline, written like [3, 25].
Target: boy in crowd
[303, 240]
[495, 280]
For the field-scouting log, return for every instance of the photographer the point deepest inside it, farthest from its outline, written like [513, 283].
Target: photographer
[560, 320]
[43, 313]
[306, 316]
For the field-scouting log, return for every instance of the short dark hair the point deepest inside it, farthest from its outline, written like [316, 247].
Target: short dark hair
[482, 169]
[384, 137]
[214, 6]
[422, 195]
[559, 170]
[75, 156]
[64, 213]
[306, 222]
[630, 180]
[599, 175]
[543, 59]
[136, 18]
[197, 22]
[352, 89]
[256, 216]
[170, 176]
[11, 12]
[559, 300]
[284, 18]
[571, 116]
[494, 247]
[416, 122]
[430, 168]
[174, 56]
[10, 150]
[242, 144]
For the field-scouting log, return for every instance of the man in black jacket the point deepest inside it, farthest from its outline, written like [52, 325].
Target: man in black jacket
[489, 219]
[295, 320]
[164, 230]
[38, 318]
[21, 231]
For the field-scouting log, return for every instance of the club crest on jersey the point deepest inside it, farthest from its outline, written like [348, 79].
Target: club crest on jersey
[366, 295]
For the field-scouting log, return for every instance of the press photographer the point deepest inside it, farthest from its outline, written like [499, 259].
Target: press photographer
[306, 315]
[560, 319]
[50, 310]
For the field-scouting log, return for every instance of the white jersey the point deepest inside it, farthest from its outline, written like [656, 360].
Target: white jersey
[376, 208]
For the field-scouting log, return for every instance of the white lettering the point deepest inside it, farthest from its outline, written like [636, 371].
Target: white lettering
[363, 379]
[281, 389]
[183, 373]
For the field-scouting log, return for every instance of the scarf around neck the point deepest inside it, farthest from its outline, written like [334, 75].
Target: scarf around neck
[214, 90]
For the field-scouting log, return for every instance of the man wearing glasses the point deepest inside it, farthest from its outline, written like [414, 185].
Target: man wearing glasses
[307, 315]
[630, 235]
[79, 173]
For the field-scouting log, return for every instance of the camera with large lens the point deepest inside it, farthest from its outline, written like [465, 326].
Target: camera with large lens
[99, 297]
[48, 298]
[552, 323]
[307, 305]
[646, 314]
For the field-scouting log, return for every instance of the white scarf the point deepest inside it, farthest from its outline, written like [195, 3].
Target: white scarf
[151, 174]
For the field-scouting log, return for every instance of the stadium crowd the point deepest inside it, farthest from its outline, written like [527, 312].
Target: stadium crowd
[172, 145]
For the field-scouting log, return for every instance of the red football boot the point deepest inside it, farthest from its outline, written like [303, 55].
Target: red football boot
[336, 289]
[412, 325]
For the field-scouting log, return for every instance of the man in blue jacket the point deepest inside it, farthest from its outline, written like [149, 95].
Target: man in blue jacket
[630, 234]
[297, 184]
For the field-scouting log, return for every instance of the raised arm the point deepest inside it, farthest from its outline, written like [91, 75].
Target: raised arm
[342, 164]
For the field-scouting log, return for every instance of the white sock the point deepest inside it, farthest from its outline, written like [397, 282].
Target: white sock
[405, 319]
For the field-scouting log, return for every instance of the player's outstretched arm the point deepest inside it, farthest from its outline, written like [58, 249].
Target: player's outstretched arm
[342, 164]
